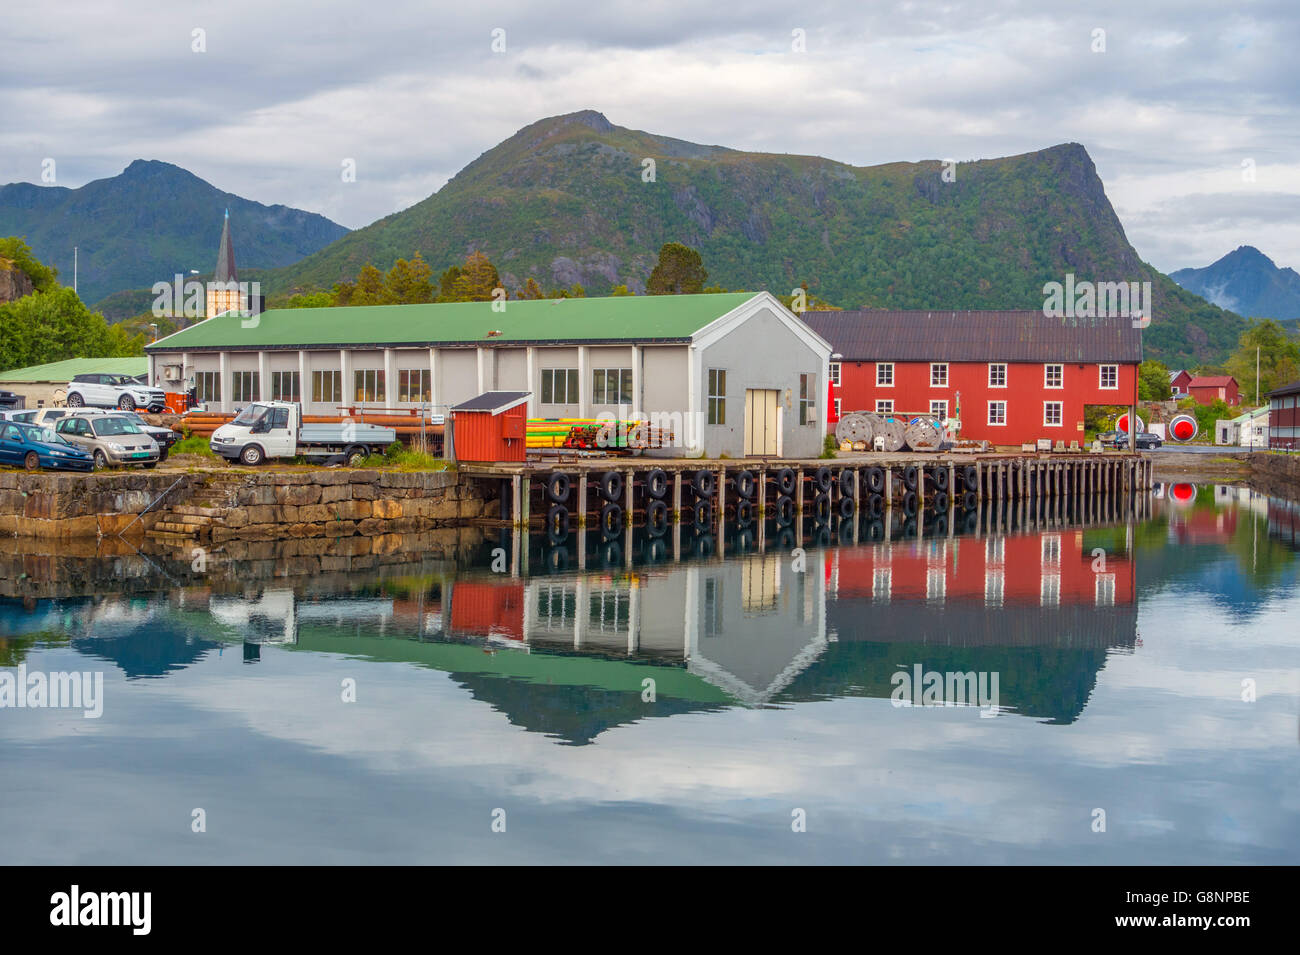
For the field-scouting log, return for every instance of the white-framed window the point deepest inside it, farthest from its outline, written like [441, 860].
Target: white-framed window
[207, 386]
[938, 374]
[560, 386]
[807, 399]
[936, 584]
[1054, 376]
[1105, 590]
[1051, 550]
[244, 386]
[939, 408]
[835, 373]
[884, 406]
[1108, 377]
[837, 407]
[997, 374]
[327, 386]
[369, 384]
[995, 551]
[1049, 594]
[284, 386]
[717, 396]
[611, 386]
[882, 584]
[415, 385]
[884, 374]
[997, 412]
[995, 583]
[1053, 413]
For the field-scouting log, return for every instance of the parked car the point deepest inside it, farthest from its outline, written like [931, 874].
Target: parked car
[110, 439]
[165, 437]
[113, 391]
[36, 447]
[41, 416]
[1146, 441]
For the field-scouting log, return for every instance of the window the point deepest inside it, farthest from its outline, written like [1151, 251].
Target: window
[1051, 549]
[279, 418]
[1049, 594]
[882, 584]
[1053, 376]
[1052, 413]
[1104, 590]
[415, 385]
[244, 386]
[835, 373]
[936, 584]
[327, 386]
[284, 386]
[997, 374]
[717, 396]
[939, 409]
[207, 386]
[884, 406]
[560, 386]
[837, 407]
[885, 374]
[611, 386]
[369, 384]
[939, 374]
[807, 399]
[997, 412]
[1109, 375]
[995, 583]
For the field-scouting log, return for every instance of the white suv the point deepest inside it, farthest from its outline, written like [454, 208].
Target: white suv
[113, 391]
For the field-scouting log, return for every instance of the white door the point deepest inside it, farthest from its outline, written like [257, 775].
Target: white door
[762, 426]
[280, 441]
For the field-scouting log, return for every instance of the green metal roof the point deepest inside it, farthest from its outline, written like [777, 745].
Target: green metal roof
[63, 371]
[541, 321]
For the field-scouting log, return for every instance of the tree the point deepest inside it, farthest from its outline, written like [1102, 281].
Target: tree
[51, 326]
[680, 271]
[619, 290]
[478, 280]
[311, 300]
[15, 252]
[530, 291]
[1279, 358]
[408, 282]
[1153, 381]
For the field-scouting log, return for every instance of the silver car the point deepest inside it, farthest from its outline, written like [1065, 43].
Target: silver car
[110, 439]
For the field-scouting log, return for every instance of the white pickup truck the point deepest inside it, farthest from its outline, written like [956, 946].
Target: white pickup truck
[274, 429]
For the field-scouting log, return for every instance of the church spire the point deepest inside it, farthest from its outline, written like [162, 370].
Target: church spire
[226, 255]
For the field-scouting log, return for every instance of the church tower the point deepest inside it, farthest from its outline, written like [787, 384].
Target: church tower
[223, 290]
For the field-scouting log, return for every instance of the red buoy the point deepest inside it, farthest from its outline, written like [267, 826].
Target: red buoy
[1183, 428]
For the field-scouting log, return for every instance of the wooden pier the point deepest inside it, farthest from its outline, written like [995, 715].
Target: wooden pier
[613, 494]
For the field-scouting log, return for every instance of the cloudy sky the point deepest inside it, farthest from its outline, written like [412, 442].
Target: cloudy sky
[1190, 110]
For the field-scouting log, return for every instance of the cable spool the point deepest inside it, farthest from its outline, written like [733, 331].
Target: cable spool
[892, 430]
[855, 427]
[1183, 428]
[923, 434]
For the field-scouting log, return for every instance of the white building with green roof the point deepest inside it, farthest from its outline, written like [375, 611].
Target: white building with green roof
[741, 373]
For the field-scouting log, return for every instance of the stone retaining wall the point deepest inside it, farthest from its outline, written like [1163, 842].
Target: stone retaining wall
[244, 505]
[1276, 473]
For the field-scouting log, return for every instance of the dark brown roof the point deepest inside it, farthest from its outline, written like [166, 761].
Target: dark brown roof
[1291, 389]
[1018, 335]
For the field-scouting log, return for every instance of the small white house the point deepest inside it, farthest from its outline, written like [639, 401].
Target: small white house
[1249, 430]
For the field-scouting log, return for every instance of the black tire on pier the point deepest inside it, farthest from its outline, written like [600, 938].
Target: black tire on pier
[785, 481]
[656, 483]
[557, 487]
[656, 518]
[876, 480]
[823, 479]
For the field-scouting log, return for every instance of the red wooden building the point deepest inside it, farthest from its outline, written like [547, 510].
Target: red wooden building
[1017, 376]
[1206, 390]
[1284, 417]
[491, 427]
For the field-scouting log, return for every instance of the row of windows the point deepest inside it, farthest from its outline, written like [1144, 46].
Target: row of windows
[414, 385]
[1286, 401]
[1053, 375]
[1053, 411]
[936, 587]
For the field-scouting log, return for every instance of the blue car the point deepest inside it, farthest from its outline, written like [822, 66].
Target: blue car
[33, 446]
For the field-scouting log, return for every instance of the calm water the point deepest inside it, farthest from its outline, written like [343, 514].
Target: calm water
[650, 710]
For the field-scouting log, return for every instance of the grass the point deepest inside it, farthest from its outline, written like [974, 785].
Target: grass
[192, 444]
[401, 458]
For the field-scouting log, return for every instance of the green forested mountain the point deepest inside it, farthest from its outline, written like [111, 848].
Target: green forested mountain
[150, 222]
[565, 200]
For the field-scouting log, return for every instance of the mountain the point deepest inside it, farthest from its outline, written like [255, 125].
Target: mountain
[564, 201]
[1246, 281]
[150, 222]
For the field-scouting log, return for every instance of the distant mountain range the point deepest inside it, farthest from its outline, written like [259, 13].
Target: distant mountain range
[150, 222]
[1247, 282]
[566, 200]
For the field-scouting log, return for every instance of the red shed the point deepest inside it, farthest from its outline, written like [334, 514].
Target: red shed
[1208, 388]
[491, 427]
